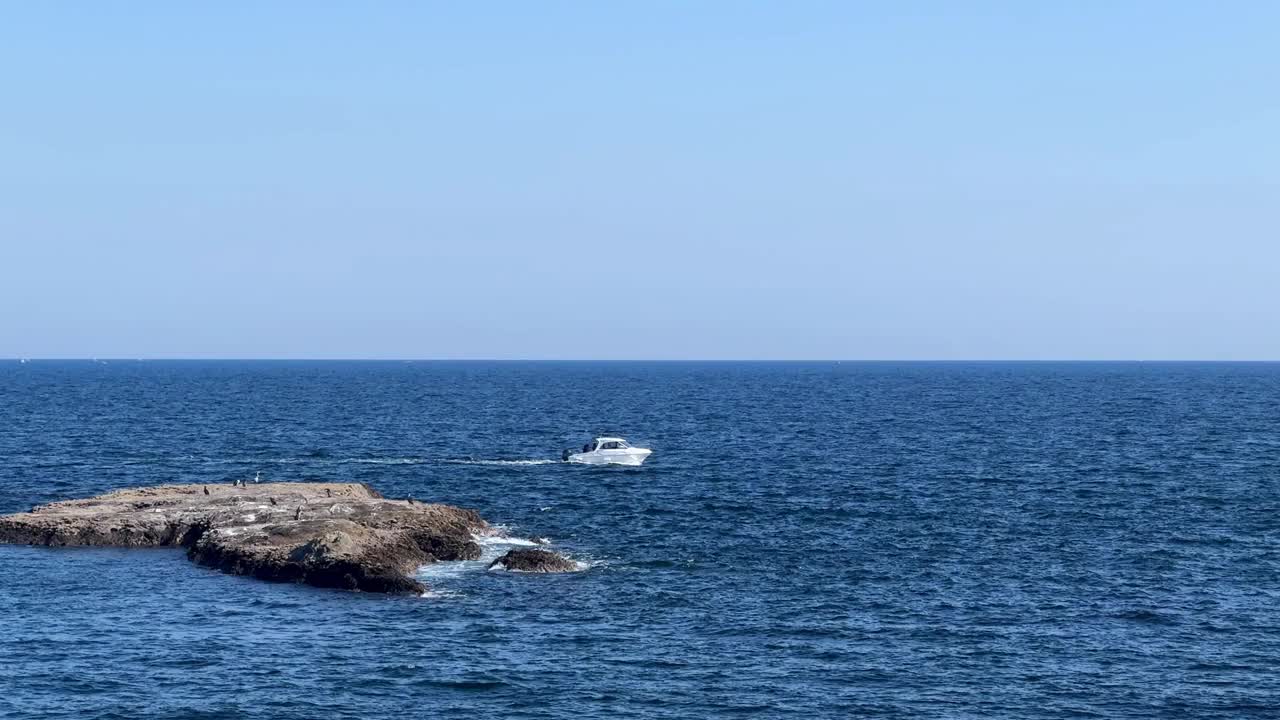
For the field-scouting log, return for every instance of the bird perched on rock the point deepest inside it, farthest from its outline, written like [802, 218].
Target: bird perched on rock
[297, 514]
[410, 499]
[273, 500]
[257, 477]
[206, 491]
[328, 492]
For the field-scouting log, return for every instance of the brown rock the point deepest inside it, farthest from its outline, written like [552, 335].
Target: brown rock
[534, 560]
[361, 542]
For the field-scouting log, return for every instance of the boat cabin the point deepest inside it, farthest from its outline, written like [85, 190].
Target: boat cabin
[608, 451]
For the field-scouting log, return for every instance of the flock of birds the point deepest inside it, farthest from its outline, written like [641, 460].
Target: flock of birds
[257, 478]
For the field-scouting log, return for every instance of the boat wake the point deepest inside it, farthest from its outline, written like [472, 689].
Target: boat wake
[324, 460]
[382, 461]
[471, 461]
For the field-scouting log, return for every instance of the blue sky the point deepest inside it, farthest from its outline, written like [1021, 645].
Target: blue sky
[640, 180]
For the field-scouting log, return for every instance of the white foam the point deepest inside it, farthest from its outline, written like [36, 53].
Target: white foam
[491, 548]
[494, 546]
[500, 462]
[502, 541]
[439, 594]
[449, 570]
[381, 461]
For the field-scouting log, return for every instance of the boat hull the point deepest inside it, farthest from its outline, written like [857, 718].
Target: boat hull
[630, 456]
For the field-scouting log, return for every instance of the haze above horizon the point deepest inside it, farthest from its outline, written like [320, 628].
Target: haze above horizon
[640, 181]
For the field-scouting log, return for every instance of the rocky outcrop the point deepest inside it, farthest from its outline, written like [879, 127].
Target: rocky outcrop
[324, 534]
[534, 560]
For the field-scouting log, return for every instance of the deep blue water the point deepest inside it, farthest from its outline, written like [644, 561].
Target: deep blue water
[1001, 540]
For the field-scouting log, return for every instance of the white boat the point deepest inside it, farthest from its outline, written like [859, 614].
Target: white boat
[608, 451]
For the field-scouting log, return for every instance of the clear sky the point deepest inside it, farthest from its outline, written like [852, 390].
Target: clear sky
[649, 179]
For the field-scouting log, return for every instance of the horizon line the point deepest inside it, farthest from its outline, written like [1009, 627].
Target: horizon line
[21, 359]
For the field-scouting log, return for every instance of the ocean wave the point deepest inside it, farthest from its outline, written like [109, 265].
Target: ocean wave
[1143, 615]
[500, 540]
[492, 546]
[435, 594]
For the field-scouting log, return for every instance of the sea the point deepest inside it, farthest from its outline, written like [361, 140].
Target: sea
[808, 540]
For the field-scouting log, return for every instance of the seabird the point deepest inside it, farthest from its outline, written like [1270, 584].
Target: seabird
[273, 500]
[328, 492]
[257, 477]
[410, 499]
[297, 514]
[206, 491]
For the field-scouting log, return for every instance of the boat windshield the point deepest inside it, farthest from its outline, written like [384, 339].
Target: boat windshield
[614, 445]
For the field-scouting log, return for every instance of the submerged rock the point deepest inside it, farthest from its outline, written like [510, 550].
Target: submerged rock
[336, 535]
[534, 560]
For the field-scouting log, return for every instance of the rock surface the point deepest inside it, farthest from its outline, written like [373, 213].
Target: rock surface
[534, 560]
[339, 535]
